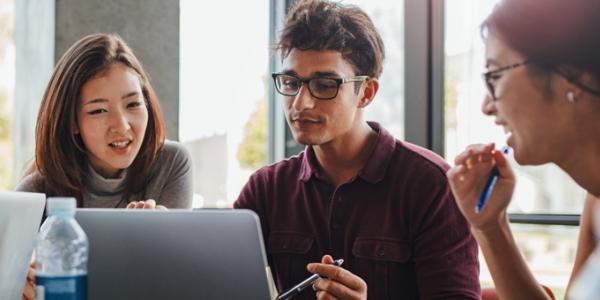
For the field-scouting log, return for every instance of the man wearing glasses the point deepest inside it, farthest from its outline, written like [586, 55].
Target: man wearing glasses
[355, 193]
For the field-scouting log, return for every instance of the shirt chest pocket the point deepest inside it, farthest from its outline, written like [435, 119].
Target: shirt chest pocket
[385, 264]
[290, 253]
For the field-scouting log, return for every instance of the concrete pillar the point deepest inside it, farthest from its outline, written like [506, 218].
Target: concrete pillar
[45, 29]
[34, 42]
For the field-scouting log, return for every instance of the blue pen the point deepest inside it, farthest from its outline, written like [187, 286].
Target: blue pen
[489, 185]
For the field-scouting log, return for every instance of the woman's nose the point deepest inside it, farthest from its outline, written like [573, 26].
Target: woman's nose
[487, 107]
[119, 123]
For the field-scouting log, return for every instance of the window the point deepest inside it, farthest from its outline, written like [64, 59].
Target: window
[388, 107]
[7, 83]
[223, 91]
[549, 250]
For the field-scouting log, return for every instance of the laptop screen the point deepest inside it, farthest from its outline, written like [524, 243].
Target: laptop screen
[20, 217]
[206, 254]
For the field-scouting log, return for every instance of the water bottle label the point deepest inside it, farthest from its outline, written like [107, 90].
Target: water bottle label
[61, 287]
[39, 292]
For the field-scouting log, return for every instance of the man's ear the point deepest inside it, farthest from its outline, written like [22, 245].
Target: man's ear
[371, 86]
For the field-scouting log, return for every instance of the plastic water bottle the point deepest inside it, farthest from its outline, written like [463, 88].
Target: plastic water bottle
[61, 254]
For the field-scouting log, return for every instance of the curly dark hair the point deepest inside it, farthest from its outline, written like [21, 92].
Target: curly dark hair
[326, 25]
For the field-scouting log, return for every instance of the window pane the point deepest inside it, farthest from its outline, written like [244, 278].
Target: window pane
[7, 84]
[223, 107]
[548, 250]
[388, 107]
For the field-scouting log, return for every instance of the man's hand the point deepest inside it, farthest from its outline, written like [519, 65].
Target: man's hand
[29, 290]
[148, 204]
[336, 282]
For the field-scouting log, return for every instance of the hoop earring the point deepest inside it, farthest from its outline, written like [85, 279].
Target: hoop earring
[571, 97]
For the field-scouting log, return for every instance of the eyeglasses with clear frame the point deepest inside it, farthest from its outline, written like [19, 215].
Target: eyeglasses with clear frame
[322, 88]
[489, 77]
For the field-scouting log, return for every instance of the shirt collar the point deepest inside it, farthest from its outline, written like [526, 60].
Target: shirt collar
[378, 161]
[372, 172]
[310, 165]
[99, 185]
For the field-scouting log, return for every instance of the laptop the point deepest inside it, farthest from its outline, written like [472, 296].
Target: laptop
[177, 254]
[20, 217]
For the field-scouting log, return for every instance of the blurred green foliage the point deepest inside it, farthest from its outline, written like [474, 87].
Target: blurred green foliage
[252, 153]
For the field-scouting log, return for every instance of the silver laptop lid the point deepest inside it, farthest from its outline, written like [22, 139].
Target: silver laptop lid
[207, 254]
[20, 217]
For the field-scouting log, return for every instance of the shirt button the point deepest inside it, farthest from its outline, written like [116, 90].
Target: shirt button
[284, 246]
[381, 252]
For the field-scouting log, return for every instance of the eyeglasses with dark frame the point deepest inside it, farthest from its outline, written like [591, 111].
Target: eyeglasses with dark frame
[322, 88]
[489, 77]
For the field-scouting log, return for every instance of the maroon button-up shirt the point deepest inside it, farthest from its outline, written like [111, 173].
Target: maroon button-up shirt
[395, 224]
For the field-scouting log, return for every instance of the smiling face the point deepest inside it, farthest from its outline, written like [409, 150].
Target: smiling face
[537, 122]
[112, 118]
[317, 122]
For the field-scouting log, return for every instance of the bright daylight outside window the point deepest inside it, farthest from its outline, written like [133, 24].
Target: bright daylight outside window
[388, 107]
[549, 250]
[223, 94]
[7, 83]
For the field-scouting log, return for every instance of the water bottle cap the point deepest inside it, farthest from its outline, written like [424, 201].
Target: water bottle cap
[58, 205]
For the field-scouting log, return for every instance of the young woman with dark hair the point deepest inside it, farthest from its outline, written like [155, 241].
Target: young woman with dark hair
[544, 89]
[100, 133]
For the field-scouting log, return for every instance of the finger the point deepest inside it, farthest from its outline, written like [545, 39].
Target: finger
[457, 173]
[31, 274]
[462, 157]
[327, 259]
[149, 204]
[29, 291]
[338, 274]
[160, 207]
[131, 204]
[462, 179]
[503, 165]
[479, 158]
[323, 295]
[485, 157]
[459, 179]
[473, 151]
[334, 289]
[139, 204]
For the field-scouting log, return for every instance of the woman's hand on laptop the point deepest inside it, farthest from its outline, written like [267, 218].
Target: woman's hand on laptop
[29, 290]
[148, 204]
[337, 282]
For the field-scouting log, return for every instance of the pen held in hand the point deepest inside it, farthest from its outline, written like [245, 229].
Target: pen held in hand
[305, 283]
[489, 186]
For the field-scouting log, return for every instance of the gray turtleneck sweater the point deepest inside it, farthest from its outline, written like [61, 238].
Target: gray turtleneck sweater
[170, 182]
